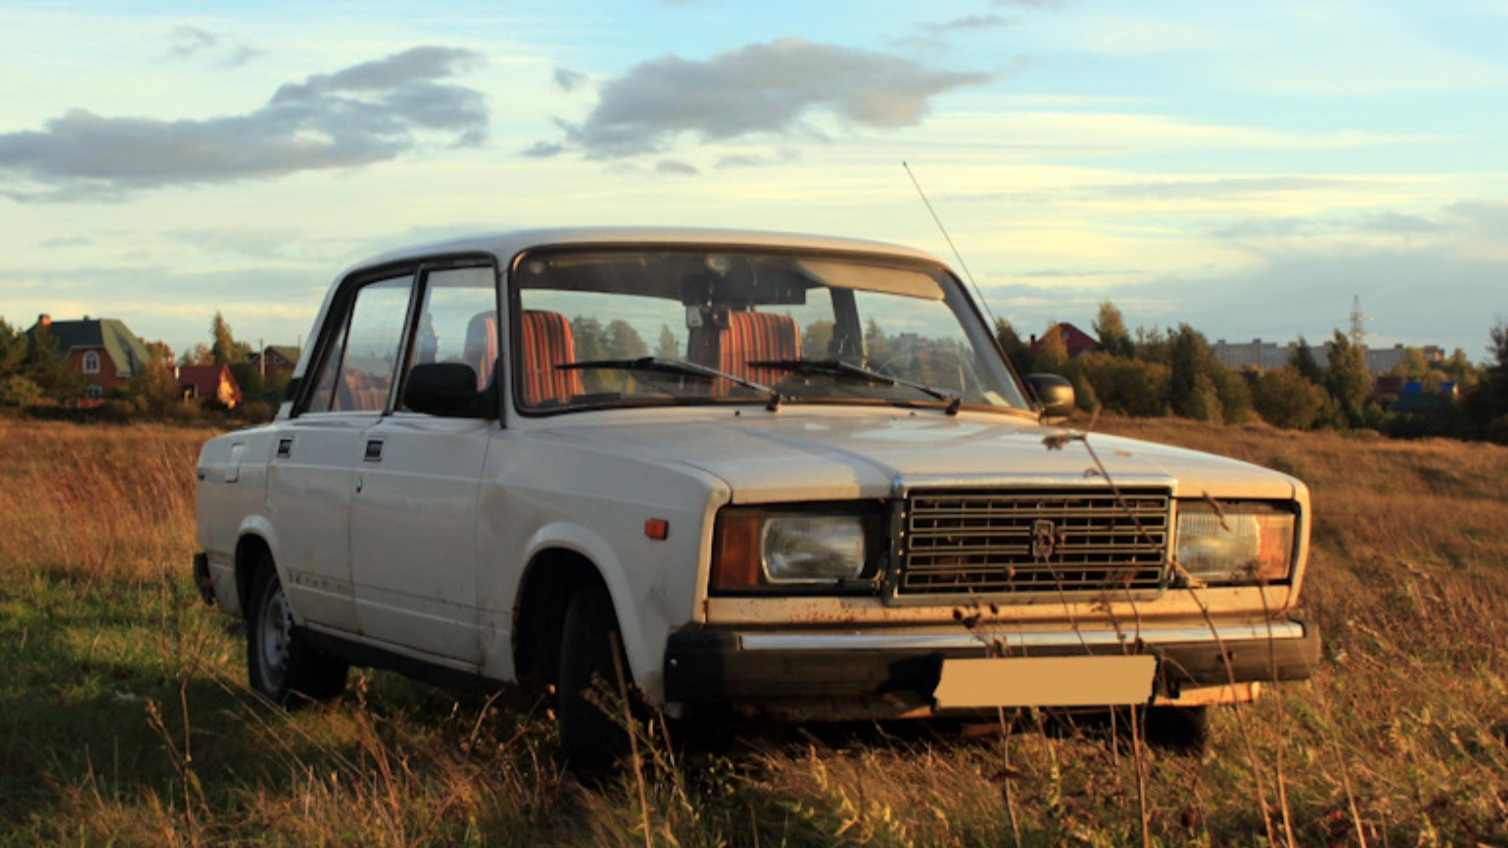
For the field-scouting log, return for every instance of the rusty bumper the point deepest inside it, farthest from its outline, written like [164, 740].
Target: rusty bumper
[719, 667]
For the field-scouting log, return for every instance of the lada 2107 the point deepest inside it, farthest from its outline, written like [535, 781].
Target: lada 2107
[781, 475]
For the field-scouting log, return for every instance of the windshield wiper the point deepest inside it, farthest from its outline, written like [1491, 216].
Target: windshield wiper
[839, 368]
[677, 366]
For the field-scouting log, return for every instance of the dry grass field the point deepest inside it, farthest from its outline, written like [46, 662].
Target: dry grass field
[124, 718]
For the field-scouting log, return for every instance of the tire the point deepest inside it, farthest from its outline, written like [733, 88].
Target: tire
[591, 741]
[281, 664]
[1181, 730]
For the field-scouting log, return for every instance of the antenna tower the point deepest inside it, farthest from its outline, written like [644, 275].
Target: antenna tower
[1358, 322]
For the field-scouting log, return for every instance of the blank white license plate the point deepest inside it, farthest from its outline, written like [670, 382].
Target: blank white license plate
[1045, 681]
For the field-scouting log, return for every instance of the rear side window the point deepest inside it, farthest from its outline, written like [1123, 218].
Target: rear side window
[360, 360]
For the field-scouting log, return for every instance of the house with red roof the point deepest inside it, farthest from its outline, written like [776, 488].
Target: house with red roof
[103, 350]
[275, 361]
[1075, 341]
[213, 384]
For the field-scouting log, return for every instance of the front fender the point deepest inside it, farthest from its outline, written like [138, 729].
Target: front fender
[643, 619]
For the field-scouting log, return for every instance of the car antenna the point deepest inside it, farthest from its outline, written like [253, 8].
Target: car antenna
[956, 255]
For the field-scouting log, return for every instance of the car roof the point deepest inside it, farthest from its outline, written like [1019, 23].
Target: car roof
[505, 245]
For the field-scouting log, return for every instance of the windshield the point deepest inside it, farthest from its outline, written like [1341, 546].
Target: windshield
[613, 327]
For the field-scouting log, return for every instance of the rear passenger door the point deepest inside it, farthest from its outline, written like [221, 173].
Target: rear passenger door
[414, 515]
[313, 475]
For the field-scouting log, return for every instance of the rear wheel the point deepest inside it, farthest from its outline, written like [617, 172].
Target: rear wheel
[593, 734]
[281, 664]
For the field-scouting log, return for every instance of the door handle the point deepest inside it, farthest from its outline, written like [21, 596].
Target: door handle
[374, 451]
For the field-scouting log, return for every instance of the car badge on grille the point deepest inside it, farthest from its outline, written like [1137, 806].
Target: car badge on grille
[1044, 539]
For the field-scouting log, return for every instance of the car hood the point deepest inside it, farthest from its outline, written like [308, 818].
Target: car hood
[798, 454]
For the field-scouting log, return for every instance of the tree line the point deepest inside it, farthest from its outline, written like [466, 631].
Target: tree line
[1142, 373]
[1174, 372]
[35, 375]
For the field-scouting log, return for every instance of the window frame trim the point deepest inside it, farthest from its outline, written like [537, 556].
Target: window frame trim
[343, 303]
[422, 271]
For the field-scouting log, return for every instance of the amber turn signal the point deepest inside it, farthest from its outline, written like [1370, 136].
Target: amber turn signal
[735, 556]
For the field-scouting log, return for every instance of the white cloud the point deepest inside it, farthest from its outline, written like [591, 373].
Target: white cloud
[677, 167]
[771, 88]
[370, 112]
[189, 42]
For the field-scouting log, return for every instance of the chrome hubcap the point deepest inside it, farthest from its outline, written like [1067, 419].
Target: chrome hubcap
[275, 630]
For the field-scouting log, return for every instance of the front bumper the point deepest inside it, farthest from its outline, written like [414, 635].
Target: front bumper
[705, 667]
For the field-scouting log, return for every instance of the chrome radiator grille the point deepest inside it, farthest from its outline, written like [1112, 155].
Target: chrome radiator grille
[1033, 541]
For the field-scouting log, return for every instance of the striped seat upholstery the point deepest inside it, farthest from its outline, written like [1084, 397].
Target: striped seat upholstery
[755, 336]
[481, 347]
[547, 343]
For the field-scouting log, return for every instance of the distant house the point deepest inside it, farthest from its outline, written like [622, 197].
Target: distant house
[1075, 341]
[102, 350]
[276, 360]
[212, 383]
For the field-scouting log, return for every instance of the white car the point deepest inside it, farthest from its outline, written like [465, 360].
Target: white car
[787, 476]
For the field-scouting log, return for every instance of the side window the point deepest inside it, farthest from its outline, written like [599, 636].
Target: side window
[458, 321]
[358, 370]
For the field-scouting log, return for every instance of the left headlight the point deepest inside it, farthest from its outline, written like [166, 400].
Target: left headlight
[1242, 542]
[756, 548]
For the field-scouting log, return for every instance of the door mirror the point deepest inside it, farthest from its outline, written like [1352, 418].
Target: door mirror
[1054, 393]
[447, 389]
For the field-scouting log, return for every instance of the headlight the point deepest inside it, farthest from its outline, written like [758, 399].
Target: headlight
[804, 548]
[757, 548]
[1244, 542]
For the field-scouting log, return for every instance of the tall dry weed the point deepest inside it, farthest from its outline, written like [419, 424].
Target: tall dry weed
[97, 502]
[1400, 739]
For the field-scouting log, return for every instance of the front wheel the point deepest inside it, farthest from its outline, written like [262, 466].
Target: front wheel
[1182, 730]
[281, 664]
[593, 732]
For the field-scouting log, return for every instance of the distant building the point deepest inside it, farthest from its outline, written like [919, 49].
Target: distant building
[276, 360]
[1269, 356]
[102, 350]
[211, 383]
[1386, 359]
[1075, 341]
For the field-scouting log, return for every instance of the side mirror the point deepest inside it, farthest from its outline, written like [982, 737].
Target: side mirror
[446, 389]
[1053, 392]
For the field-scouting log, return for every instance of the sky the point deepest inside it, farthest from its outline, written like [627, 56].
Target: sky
[1246, 168]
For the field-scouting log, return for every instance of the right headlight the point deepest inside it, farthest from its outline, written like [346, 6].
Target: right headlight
[756, 548]
[1241, 542]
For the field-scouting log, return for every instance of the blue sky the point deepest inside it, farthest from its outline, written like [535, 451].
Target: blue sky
[1245, 168]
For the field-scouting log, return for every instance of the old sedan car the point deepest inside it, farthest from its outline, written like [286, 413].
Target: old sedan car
[779, 476]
